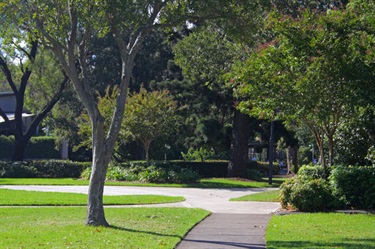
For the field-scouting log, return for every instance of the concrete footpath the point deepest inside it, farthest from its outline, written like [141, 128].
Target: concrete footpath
[228, 231]
[230, 225]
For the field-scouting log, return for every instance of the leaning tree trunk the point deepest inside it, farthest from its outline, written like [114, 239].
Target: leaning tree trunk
[100, 161]
[238, 161]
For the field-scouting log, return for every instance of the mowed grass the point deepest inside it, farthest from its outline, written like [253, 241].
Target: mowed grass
[63, 227]
[204, 183]
[35, 198]
[321, 230]
[266, 196]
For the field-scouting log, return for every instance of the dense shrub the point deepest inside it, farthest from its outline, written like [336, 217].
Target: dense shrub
[310, 172]
[346, 187]
[309, 191]
[355, 186]
[308, 195]
[152, 174]
[43, 168]
[17, 170]
[263, 167]
[37, 148]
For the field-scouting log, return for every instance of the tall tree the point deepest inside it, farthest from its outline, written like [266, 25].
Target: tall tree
[67, 28]
[205, 56]
[18, 62]
[312, 72]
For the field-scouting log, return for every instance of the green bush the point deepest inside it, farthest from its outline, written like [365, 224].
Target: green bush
[309, 191]
[264, 167]
[313, 195]
[17, 170]
[37, 148]
[254, 174]
[310, 172]
[42, 168]
[153, 174]
[355, 186]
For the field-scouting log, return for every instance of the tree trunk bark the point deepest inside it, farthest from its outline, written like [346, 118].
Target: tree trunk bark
[19, 148]
[330, 150]
[238, 162]
[100, 161]
[95, 209]
[292, 160]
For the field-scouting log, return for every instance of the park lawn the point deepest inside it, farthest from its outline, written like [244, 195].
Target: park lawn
[35, 198]
[266, 196]
[321, 230]
[204, 183]
[63, 227]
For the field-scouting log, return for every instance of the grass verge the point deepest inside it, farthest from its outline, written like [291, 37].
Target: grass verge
[266, 196]
[321, 230]
[204, 183]
[62, 227]
[35, 198]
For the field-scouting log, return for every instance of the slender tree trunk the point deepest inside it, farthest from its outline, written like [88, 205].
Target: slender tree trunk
[238, 162]
[100, 161]
[292, 160]
[95, 209]
[330, 150]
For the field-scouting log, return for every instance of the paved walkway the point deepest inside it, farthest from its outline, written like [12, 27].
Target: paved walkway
[231, 224]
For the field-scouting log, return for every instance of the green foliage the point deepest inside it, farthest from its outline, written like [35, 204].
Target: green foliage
[371, 155]
[202, 154]
[312, 195]
[355, 186]
[264, 167]
[157, 173]
[309, 172]
[309, 191]
[44, 168]
[346, 187]
[38, 148]
[17, 170]
[316, 71]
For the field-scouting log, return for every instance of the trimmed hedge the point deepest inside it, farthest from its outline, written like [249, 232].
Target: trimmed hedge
[207, 169]
[42, 168]
[37, 148]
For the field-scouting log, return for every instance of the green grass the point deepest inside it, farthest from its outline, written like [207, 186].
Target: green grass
[321, 230]
[267, 196]
[34, 198]
[63, 227]
[204, 183]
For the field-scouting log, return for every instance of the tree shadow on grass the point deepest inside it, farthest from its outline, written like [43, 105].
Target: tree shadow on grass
[344, 244]
[144, 232]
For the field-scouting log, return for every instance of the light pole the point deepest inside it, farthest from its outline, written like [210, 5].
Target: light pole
[271, 156]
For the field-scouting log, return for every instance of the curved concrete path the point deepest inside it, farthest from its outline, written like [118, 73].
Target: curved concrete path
[231, 224]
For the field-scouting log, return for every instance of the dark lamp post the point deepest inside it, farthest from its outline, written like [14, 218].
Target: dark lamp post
[271, 150]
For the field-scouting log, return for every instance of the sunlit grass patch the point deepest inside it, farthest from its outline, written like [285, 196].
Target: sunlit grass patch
[321, 230]
[35, 198]
[63, 227]
[266, 196]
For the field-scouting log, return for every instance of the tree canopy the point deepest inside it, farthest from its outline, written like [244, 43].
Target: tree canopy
[315, 71]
